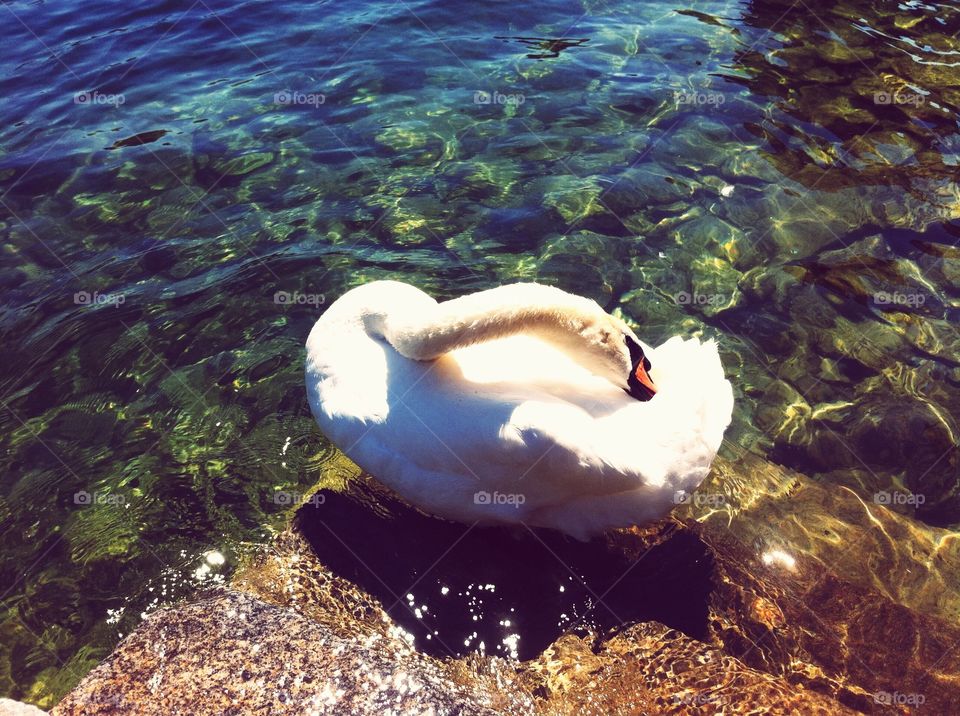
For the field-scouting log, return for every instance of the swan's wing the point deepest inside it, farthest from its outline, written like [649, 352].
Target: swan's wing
[442, 443]
[445, 443]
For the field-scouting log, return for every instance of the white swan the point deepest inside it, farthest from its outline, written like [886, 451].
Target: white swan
[520, 404]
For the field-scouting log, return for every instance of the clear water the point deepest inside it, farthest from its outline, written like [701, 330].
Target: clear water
[184, 186]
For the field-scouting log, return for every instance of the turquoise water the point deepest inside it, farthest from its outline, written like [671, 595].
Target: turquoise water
[184, 187]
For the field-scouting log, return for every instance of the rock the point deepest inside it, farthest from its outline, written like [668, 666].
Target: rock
[699, 144]
[573, 198]
[899, 566]
[586, 263]
[751, 164]
[660, 315]
[834, 613]
[714, 286]
[720, 238]
[230, 653]
[643, 186]
[8, 707]
[244, 164]
[649, 668]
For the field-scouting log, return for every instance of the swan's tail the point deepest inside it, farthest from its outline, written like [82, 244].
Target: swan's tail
[682, 429]
[592, 515]
[701, 398]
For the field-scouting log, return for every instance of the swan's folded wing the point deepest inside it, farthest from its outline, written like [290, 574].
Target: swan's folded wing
[444, 445]
[542, 448]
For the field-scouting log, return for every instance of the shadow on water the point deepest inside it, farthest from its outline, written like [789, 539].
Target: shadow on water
[507, 591]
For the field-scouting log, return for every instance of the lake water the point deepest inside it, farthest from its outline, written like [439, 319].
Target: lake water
[184, 186]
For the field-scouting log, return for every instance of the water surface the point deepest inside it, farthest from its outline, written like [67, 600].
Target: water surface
[184, 187]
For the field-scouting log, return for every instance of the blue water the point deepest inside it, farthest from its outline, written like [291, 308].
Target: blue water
[184, 186]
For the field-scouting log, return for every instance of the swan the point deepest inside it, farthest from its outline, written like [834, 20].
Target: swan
[519, 404]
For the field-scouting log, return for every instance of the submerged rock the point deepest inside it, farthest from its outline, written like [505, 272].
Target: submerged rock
[588, 263]
[819, 604]
[8, 707]
[332, 650]
[650, 669]
[244, 164]
[138, 139]
[231, 653]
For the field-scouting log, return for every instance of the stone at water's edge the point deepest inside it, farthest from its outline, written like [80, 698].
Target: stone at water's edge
[9, 707]
[231, 653]
[819, 628]
[830, 590]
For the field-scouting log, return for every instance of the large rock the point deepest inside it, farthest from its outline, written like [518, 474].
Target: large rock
[819, 603]
[231, 653]
[9, 707]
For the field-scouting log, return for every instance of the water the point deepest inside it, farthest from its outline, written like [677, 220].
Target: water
[183, 187]
[507, 592]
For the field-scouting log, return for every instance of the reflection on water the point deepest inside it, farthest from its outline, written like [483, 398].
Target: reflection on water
[183, 188]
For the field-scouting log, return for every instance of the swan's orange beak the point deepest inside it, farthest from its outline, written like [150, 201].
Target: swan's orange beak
[644, 379]
[639, 384]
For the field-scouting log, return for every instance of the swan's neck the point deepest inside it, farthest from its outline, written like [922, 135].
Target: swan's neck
[549, 313]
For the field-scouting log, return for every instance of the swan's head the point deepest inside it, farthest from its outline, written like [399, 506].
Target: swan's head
[639, 384]
[619, 357]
